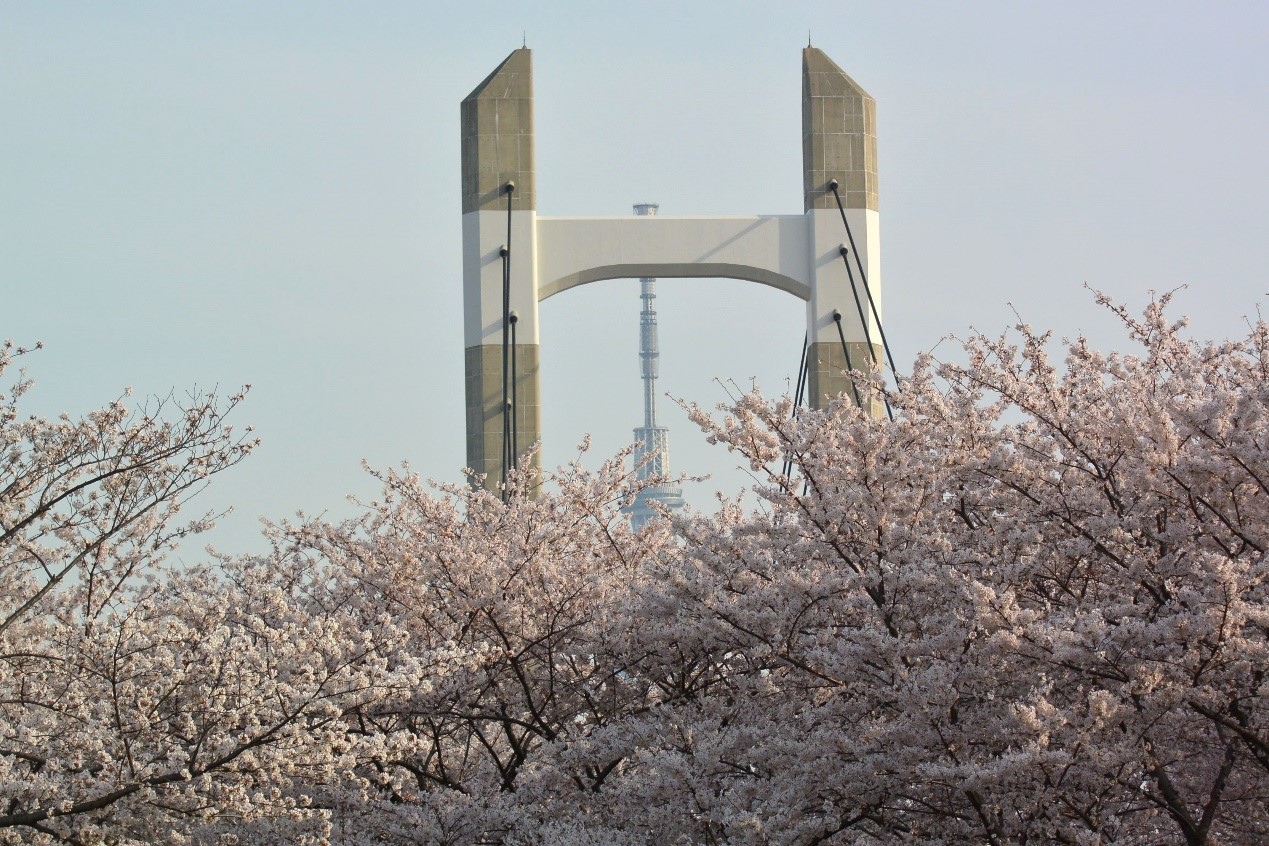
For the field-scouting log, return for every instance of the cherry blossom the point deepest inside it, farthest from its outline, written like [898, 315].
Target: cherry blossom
[1030, 609]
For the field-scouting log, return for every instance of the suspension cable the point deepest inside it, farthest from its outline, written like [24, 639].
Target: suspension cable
[805, 381]
[506, 361]
[515, 404]
[872, 352]
[837, 318]
[508, 457]
[804, 367]
[787, 469]
[832, 185]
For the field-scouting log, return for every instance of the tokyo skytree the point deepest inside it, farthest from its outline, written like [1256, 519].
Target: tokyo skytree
[652, 442]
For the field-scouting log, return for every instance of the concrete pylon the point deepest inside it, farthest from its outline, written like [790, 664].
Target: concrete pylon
[799, 254]
[499, 198]
[839, 142]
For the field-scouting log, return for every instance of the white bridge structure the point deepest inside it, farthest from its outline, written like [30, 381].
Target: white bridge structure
[514, 258]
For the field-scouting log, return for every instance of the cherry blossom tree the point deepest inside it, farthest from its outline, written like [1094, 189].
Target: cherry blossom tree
[526, 598]
[141, 702]
[1031, 609]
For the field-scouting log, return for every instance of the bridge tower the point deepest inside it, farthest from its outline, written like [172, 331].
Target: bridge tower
[513, 258]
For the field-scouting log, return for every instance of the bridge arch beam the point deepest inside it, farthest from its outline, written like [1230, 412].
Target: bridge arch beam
[770, 250]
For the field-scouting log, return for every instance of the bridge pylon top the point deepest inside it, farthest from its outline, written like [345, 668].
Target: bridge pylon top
[839, 135]
[497, 137]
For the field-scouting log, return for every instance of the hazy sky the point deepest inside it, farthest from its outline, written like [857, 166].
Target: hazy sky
[212, 194]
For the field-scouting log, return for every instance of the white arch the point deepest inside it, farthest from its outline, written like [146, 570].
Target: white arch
[675, 271]
[770, 250]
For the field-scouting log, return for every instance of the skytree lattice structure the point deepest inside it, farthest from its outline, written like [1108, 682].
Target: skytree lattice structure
[652, 442]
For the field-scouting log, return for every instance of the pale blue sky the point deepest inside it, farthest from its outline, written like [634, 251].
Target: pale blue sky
[219, 193]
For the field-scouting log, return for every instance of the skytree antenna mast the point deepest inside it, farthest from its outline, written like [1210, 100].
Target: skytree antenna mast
[649, 346]
[652, 442]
